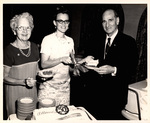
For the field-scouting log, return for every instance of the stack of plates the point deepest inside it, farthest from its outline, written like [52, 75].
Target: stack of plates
[26, 105]
[47, 103]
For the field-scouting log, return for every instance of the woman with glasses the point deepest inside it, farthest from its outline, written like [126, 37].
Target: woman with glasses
[55, 56]
[20, 63]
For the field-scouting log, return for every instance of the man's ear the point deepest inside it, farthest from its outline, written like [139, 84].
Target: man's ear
[54, 22]
[118, 20]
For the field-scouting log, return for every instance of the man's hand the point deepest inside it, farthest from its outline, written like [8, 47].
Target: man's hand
[105, 69]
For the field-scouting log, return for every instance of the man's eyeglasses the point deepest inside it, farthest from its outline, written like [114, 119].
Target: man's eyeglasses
[61, 21]
[22, 28]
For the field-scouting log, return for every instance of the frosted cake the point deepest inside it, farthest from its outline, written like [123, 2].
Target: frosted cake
[51, 114]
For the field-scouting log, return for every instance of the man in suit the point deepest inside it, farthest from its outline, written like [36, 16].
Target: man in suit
[108, 86]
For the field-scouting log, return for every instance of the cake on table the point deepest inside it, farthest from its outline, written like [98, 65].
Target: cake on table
[92, 62]
[50, 113]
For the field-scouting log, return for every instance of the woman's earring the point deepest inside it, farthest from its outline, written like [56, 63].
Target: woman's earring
[14, 32]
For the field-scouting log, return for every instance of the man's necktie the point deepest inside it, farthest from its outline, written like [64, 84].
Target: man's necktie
[107, 46]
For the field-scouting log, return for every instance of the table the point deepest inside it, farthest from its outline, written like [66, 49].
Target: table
[14, 117]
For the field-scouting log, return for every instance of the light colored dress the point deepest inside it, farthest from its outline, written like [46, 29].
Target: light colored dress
[58, 87]
[21, 68]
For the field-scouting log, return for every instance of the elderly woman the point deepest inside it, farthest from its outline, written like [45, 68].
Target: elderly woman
[20, 63]
[55, 56]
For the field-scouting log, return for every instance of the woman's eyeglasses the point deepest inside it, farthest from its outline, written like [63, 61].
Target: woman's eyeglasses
[22, 28]
[61, 21]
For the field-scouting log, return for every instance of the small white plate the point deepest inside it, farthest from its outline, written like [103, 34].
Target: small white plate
[47, 101]
[26, 100]
[45, 73]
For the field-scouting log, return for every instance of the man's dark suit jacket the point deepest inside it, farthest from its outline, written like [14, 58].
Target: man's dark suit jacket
[110, 92]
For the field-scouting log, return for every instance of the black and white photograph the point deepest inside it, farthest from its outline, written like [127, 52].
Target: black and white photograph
[74, 61]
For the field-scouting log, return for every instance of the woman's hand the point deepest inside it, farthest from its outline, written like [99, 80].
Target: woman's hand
[66, 60]
[30, 82]
[86, 59]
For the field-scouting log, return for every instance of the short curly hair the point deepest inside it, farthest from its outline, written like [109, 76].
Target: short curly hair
[14, 20]
[61, 9]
